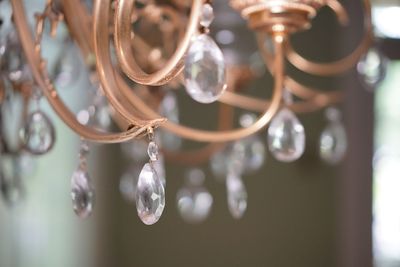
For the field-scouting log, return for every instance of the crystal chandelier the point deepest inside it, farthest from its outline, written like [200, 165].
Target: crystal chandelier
[137, 53]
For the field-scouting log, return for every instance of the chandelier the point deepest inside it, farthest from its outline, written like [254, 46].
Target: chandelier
[137, 54]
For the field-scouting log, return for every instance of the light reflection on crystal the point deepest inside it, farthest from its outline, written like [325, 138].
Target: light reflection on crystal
[150, 195]
[286, 136]
[204, 70]
[193, 200]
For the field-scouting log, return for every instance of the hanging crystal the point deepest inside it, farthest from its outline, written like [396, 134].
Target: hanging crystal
[150, 191]
[372, 67]
[286, 136]
[236, 195]
[150, 195]
[193, 200]
[82, 192]
[204, 70]
[207, 15]
[333, 139]
[38, 134]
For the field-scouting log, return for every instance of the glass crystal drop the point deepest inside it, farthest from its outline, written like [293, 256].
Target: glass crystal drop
[150, 195]
[237, 195]
[82, 193]
[204, 70]
[38, 134]
[333, 143]
[372, 67]
[207, 15]
[286, 136]
[152, 150]
[193, 200]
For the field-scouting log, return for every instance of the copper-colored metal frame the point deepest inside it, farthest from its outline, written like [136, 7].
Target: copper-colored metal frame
[136, 112]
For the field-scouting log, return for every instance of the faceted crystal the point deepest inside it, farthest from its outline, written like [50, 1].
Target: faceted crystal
[333, 143]
[207, 15]
[372, 68]
[150, 195]
[152, 150]
[286, 137]
[38, 134]
[237, 195]
[82, 193]
[204, 70]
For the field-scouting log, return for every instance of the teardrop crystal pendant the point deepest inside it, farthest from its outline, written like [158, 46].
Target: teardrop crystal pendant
[204, 70]
[286, 136]
[237, 195]
[333, 139]
[150, 195]
[38, 134]
[193, 200]
[82, 193]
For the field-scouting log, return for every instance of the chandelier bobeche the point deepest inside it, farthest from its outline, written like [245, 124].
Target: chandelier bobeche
[136, 74]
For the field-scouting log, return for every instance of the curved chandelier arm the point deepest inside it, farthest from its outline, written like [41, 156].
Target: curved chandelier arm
[339, 66]
[123, 44]
[39, 73]
[105, 68]
[224, 136]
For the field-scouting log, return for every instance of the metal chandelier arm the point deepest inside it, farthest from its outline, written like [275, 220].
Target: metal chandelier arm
[123, 44]
[40, 75]
[339, 66]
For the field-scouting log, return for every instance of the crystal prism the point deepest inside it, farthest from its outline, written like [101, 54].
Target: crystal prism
[204, 70]
[286, 136]
[38, 134]
[207, 15]
[82, 193]
[237, 195]
[152, 151]
[150, 195]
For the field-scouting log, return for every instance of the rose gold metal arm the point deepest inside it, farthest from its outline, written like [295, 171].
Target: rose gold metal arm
[122, 38]
[37, 67]
[339, 66]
